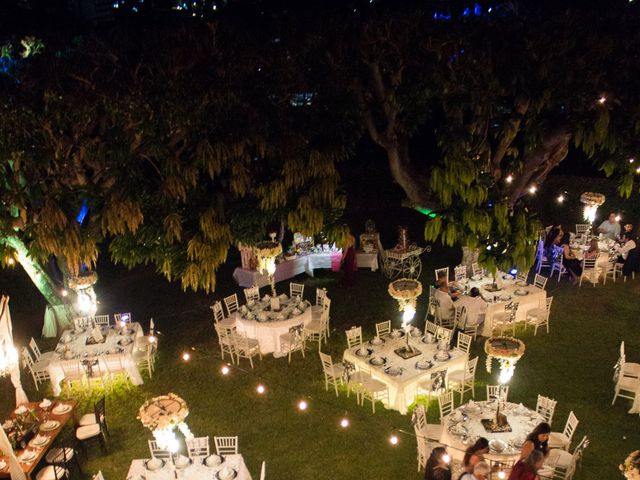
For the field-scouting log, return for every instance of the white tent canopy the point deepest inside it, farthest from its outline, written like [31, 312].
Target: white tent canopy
[6, 342]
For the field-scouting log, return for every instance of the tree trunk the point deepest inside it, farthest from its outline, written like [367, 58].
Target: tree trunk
[63, 308]
[413, 184]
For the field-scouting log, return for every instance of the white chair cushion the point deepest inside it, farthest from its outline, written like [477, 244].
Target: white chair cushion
[87, 419]
[315, 326]
[88, 431]
[456, 377]
[629, 383]
[558, 440]
[227, 322]
[359, 378]
[535, 313]
[46, 357]
[47, 473]
[432, 431]
[55, 455]
[632, 369]
[559, 458]
[372, 385]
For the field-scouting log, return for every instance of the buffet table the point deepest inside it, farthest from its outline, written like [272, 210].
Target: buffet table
[463, 427]
[51, 422]
[403, 387]
[73, 346]
[527, 296]
[302, 264]
[259, 322]
[195, 471]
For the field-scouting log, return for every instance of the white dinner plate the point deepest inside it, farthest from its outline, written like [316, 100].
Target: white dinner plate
[28, 456]
[49, 425]
[61, 409]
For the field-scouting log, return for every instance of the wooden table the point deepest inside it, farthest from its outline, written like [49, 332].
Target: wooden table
[28, 468]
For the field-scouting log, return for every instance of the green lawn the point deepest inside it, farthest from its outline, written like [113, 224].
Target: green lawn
[573, 365]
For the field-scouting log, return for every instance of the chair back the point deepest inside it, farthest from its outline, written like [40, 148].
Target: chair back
[577, 453]
[226, 445]
[296, 289]
[420, 417]
[463, 343]
[98, 476]
[460, 273]
[99, 411]
[252, 293]
[546, 407]
[470, 369]
[27, 358]
[35, 349]
[320, 294]
[460, 318]
[113, 363]
[327, 364]
[540, 281]
[218, 312]
[445, 402]
[231, 302]
[430, 327]
[224, 335]
[198, 447]
[326, 308]
[589, 264]
[442, 271]
[475, 269]
[383, 328]
[72, 368]
[444, 334]
[582, 228]
[354, 336]
[497, 391]
[104, 319]
[571, 425]
[157, 452]
[125, 317]
[82, 322]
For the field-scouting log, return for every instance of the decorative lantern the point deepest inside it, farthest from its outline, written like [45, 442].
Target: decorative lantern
[162, 415]
[591, 201]
[508, 351]
[266, 253]
[86, 297]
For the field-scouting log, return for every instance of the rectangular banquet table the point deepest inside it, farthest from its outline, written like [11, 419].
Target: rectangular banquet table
[271, 325]
[193, 472]
[28, 468]
[402, 388]
[80, 350]
[532, 299]
[302, 264]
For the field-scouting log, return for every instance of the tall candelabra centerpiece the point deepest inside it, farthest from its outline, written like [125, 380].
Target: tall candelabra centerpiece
[406, 291]
[266, 253]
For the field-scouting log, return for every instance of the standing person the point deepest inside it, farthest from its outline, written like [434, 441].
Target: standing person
[475, 454]
[349, 261]
[610, 228]
[481, 471]
[437, 467]
[538, 440]
[527, 469]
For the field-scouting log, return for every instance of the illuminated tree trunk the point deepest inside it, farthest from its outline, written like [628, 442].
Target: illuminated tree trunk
[63, 308]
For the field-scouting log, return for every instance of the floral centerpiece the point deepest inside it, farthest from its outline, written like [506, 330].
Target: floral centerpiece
[85, 280]
[591, 201]
[162, 415]
[631, 466]
[508, 350]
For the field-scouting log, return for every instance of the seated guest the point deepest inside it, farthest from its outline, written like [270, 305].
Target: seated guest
[594, 249]
[610, 228]
[476, 307]
[481, 471]
[437, 467]
[527, 469]
[570, 261]
[628, 245]
[627, 231]
[445, 303]
[538, 440]
[630, 255]
[552, 239]
[475, 454]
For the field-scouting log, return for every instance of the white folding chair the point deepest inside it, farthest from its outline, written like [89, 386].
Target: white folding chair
[354, 337]
[103, 320]
[333, 374]
[460, 317]
[442, 271]
[476, 270]
[296, 290]
[293, 340]
[563, 464]
[460, 273]
[495, 392]
[445, 403]
[226, 342]
[444, 334]
[316, 331]
[630, 369]
[39, 356]
[626, 386]
[539, 317]
[462, 381]
[38, 370]
[197, 447]
[373, 390]
[252, 294]
[546, 407]
[115, 366]
[118, 318]
[540, 281]
[463, 343]
[219, 318]
[245, 347]
[563, 439]
[423, 428]
[157, 452]
[231, 302]
[383, 328]
[73, 372]
[430, 327]
[226, 445]
[316, 310]
[326, 316]
[582, 228]
[589, 270]
[522, 277]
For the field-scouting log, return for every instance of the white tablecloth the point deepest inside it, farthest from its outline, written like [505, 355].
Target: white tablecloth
[79, 347]
[192, 472]
[268, 333]
[304, 264]
[521, 419]
[402, 388]
[533, 299]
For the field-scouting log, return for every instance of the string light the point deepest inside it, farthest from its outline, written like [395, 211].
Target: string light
[260, 389]
[302, 405]
[631, 160]
[509, 178]
[638, 170]
[533, 189]
[446, 458]
[560, 198]
[152, 339]
[225, 370]
[64, 292]
[344, 422]
[618, 218]
[393, 439]
[602, 99]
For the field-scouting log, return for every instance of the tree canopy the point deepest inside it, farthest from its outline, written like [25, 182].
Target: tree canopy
[183, 139]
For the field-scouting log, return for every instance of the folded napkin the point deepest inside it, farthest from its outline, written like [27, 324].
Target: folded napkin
[45, 403]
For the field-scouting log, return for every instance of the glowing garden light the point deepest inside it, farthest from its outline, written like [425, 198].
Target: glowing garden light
[186, 356]
[225, 370]
[509, 178]
[344, 422]
[303, 405]
[602, 100]
[393, 439]
[502, 475]
[260, 389]
[64, 292]
[533, 189]
[560, 198]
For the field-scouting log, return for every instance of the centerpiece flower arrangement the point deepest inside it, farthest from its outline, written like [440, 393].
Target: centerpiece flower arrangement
[631, 466]
[162, 415]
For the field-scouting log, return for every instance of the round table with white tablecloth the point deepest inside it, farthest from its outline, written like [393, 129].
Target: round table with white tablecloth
[464, 426]
[266, 326]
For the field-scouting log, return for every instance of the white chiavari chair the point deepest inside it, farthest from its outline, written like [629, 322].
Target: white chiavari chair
[226, 445]
[497, 391]
[460, 273]
[383, 328]
[445, 404]
[546, 407]
[430, 327]
[39, 356]
[540, 281]
[462, 381]
[463, 342]
[539, 317]
[293, 341]
[296, 290]
[589, 270]
[226, 342]
[118, 318]
[38, 370]
[157, 452]
[197, 447]
[354, 336]
[563, 439]
[231, 302]
[252, 294]
[245, 347]
[333, 374]
[444, 272]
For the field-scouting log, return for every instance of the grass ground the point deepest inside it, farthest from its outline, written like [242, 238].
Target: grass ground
[573, 364]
